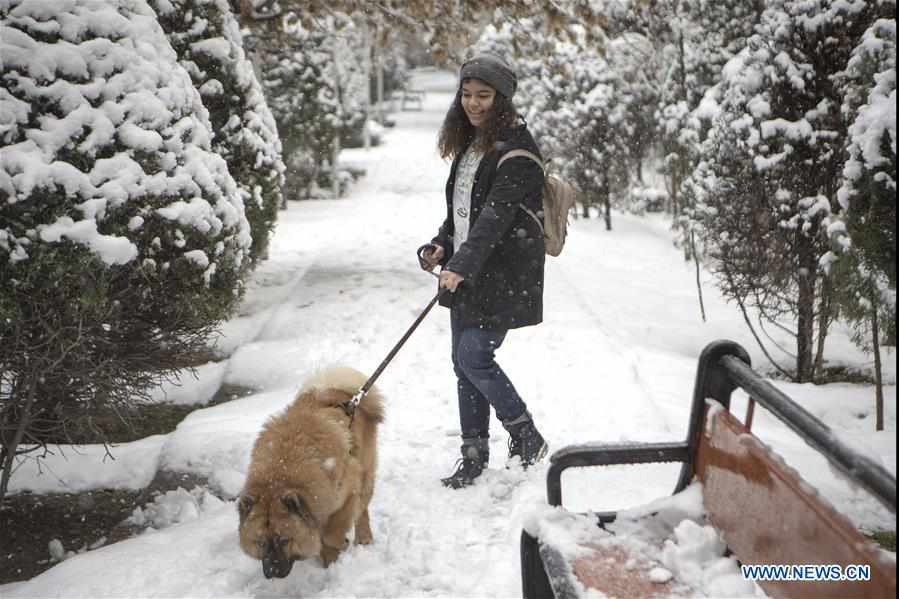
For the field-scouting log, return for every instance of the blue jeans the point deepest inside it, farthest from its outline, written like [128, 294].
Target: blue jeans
[481, 382]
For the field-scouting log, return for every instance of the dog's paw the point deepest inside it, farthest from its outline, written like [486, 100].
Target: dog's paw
[363, 538]
[329, 555]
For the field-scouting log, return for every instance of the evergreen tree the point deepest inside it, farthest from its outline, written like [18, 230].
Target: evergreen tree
[316, 85]
[634, 59]
[865, 234]
[207, 38]
[596, 168]
[348, 47]
[699, 38]
[552, 91]
[123, 238]
[774, 165]
[448, 26]
[868, 192]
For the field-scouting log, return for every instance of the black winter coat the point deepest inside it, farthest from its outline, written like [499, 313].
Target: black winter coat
[502, 260]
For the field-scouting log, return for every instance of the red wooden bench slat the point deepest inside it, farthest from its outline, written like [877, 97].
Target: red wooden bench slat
[767, 515]
[606, 571]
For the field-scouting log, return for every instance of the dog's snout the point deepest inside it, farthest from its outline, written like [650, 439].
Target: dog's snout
[276, 568]
[275, 564]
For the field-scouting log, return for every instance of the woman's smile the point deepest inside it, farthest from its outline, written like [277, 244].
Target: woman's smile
[474, 116]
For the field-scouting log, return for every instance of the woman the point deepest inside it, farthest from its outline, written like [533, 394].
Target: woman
[491, 253]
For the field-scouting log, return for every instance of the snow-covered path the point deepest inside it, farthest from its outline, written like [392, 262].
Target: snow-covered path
[613, 361]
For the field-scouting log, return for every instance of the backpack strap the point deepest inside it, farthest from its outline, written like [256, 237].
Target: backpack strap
[517, 153]
[534, 216]
[535, 158]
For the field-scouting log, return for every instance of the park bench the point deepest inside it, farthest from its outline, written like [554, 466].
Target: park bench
[762, 508]
[406, 97]
[412, 99]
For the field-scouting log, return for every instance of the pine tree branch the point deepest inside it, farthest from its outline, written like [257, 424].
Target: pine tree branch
[758, 340]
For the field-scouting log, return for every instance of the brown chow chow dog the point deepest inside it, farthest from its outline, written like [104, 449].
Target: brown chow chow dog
[311, 475]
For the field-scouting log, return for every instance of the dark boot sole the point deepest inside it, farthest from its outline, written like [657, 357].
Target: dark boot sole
[456, 483]
[540, 455]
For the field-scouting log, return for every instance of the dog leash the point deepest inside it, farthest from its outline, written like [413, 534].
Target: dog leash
[350, 406]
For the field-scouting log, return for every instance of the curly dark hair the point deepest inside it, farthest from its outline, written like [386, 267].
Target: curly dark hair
[457, 131]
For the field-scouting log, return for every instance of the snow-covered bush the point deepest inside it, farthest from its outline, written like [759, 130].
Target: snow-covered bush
[123, 238]
[206, 36]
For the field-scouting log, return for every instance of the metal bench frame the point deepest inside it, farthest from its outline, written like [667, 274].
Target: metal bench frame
[723, 367]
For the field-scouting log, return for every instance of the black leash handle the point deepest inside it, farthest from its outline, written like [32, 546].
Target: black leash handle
[396, 348]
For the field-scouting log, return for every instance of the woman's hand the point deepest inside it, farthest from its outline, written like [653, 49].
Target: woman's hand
[430, 257]
[450, 280]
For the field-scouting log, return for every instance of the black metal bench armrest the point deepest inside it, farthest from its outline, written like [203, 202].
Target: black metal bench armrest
[598, 454]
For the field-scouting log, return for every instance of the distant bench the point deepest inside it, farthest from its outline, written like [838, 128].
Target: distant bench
[407, 96]
[764, 510]
[412, 99]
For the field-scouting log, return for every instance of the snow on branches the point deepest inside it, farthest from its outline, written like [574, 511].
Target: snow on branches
[209, 44]
[108, 145]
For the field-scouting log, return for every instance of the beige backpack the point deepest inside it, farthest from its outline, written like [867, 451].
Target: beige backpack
[558, 198]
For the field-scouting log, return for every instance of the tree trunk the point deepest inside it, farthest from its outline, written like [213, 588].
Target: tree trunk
[675, 187]
[605, 199]
[698, 275]
[825, 317]
[607, 211]
[805, 309]
[335, 173]
[878, 368]
[9, 450]
[379, 74]
[678, 169]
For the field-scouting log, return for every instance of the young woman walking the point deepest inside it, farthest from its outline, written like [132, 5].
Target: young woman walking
[492, 256]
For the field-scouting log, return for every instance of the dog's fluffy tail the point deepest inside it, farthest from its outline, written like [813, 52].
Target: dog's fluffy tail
[348, 380]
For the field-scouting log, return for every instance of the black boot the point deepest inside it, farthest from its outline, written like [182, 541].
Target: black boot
[475, 457]
[525, 441]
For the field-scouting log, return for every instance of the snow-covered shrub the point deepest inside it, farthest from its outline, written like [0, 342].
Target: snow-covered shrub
[123, 238]
[206, 36]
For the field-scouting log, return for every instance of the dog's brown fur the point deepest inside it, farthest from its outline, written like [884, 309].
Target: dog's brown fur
[312, 475]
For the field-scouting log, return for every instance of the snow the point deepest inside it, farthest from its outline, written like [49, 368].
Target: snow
[667, 540]
[111, 249]
[875, 122]
[69, 469]
[614, 361]
[193, 389]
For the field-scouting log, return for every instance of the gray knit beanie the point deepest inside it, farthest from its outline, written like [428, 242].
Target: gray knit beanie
[492, 70]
